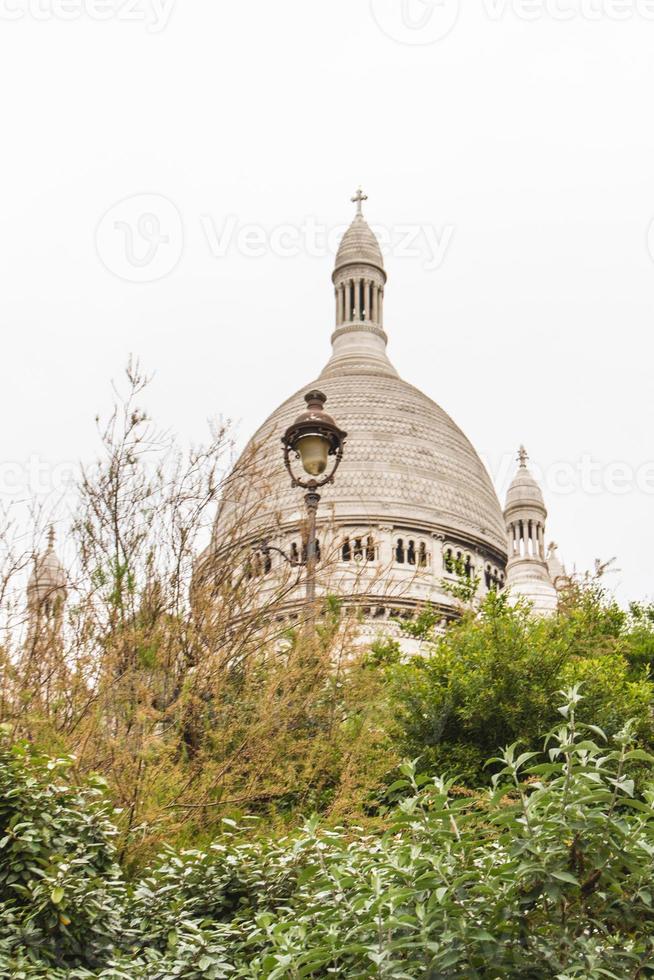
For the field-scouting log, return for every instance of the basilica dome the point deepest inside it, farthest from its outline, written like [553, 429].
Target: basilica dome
[410, 481]
[405, 462]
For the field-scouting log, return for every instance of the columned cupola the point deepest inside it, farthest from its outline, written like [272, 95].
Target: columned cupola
[525, 515]
[359, 277]
[46, 593]
[359, 280]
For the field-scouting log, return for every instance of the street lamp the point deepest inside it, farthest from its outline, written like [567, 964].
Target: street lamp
[316, 442]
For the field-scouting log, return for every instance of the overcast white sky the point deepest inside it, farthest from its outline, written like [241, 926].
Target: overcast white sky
[514, 139]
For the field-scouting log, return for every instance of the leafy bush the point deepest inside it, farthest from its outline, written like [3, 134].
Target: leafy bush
[548, 876]
[61, 890]
[494, 677]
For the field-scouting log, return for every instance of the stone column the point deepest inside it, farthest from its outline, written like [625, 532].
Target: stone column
[438, 542]
[385, 546]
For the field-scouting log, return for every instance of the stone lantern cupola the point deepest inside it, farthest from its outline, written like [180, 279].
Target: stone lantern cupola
[525, 515]
[359, 279]
[411, 494]
[46, 588]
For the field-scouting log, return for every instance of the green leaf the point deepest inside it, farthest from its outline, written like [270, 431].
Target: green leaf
[565, 876]
[56, 895]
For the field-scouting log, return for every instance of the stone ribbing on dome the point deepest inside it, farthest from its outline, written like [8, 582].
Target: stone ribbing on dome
[524, 490]
[405, 462]
[359, 246]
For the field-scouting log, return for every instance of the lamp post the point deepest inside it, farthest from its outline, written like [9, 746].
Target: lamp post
[316, 442]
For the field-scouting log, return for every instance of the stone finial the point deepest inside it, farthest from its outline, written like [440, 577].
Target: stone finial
[51, 537]
[358, 199]
[523, 456]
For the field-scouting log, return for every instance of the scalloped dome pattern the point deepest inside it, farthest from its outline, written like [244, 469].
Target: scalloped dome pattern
[405, 461]
[524, 491]
[359, 245]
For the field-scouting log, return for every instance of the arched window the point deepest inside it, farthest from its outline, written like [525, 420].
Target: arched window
[267, 563]
[448, 561]
[411, 553]
[423, 557]
[358, 549]
[370, 549]
[346, 551]
[494, 578]
[295, 554]
[468, 568]
[305, 551]
[400, 555]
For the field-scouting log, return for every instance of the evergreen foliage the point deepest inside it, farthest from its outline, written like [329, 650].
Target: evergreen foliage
[548, 876]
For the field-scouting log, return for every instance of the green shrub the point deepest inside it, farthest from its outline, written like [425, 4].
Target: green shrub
[494, 677]
[549, 877]
[61, 890]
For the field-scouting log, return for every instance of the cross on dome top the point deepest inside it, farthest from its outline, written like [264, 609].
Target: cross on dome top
[358, 199]
[523, 456]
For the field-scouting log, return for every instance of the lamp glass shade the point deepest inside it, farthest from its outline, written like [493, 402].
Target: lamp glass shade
[313, 451]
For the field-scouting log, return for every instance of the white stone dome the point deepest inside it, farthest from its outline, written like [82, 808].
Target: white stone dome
[409, 477]
[405, 462]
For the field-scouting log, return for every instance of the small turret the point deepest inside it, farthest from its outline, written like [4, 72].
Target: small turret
[46, 589]
[525, 515]
[359, 279]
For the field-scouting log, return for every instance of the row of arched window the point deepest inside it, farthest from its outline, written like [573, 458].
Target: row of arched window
[257, 565]
[494, 578]
[260, 564]
[406, 551]
[299, 553]
[454, 560]
[411, 553]
[359, 549]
